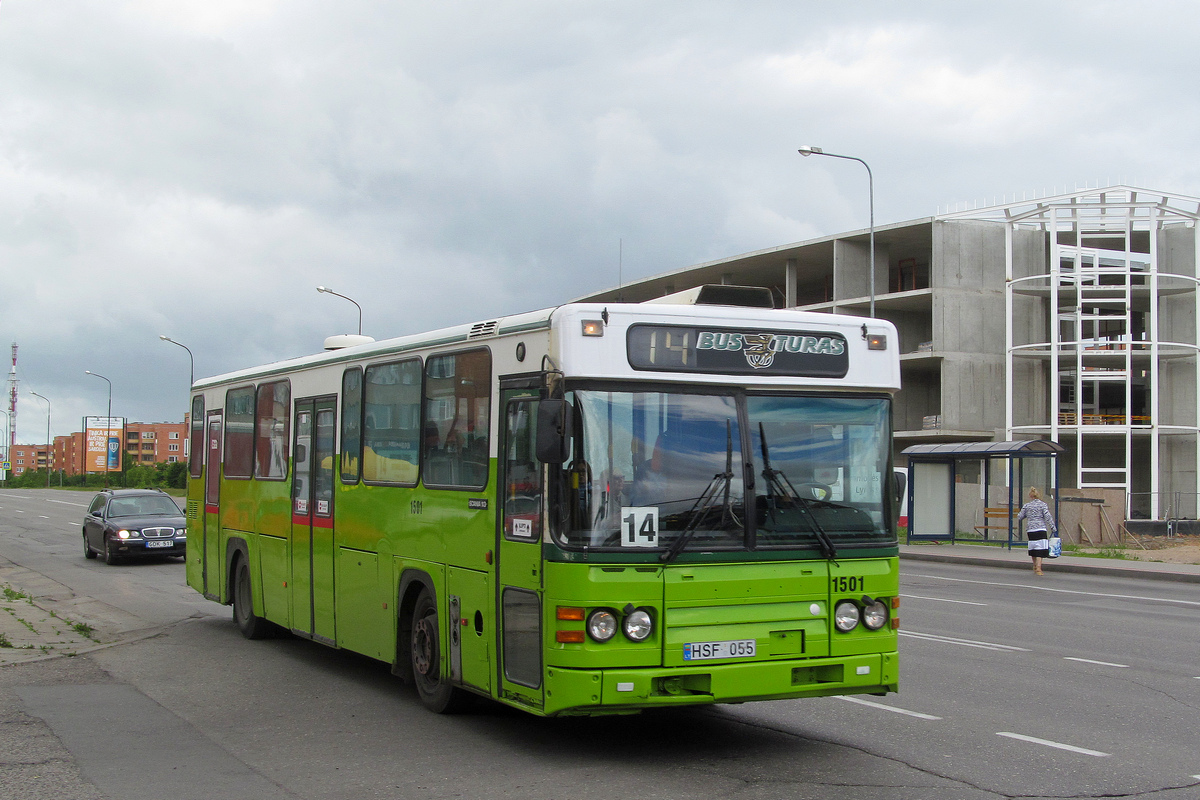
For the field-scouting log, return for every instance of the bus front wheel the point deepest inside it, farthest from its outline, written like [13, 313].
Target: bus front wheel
[433, 687]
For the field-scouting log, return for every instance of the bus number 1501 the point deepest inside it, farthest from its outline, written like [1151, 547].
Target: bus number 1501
[848, 583]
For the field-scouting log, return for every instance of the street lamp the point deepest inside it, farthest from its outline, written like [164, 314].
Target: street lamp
[191, 360]
[326, 290]
[107, 423]
[810, 150]
[49, 442]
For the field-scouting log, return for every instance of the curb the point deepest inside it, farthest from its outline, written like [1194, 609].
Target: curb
[1057, 565]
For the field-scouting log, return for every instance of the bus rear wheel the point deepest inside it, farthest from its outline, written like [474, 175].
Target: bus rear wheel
[425, 648]
[250, 624]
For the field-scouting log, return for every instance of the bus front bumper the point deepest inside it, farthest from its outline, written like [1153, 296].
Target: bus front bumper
[607, 691]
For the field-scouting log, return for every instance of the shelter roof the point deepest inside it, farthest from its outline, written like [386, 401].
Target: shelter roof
[975, 450]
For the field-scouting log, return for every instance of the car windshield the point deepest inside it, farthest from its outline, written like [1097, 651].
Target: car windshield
[665, 471]
[147, 506]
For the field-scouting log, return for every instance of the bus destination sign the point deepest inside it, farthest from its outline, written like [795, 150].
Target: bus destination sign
[678, 348]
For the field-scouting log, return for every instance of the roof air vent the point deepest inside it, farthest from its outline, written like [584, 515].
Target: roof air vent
[720, 295]
[344, 340]
[482, 330]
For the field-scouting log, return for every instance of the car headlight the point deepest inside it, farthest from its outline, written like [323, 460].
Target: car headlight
[124, 534]
[874, 614]
[602, 624]
[638, 625]
[181, 531]
[845, 616]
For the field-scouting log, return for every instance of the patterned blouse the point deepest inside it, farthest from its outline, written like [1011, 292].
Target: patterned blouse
[1039, 520]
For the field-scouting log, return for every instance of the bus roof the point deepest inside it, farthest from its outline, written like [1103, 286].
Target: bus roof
[542, 319]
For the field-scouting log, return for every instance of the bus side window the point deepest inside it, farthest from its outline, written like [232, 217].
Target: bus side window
[457, 420]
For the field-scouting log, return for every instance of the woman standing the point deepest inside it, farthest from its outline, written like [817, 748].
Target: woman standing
[1038, 523]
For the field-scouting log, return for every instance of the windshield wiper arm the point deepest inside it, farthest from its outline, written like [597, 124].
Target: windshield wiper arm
[721, 482]
[778, 483]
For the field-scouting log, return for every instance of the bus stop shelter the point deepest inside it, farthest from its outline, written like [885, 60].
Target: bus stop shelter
[932, 497]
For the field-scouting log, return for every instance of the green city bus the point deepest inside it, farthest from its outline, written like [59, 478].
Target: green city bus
[591, 509]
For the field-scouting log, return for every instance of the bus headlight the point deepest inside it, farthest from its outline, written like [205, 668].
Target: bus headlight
[602, 624]
[845, 616]
[874, 615]
[638, 626]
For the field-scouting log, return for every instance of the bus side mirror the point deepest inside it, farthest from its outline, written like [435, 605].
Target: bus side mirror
[553, 431]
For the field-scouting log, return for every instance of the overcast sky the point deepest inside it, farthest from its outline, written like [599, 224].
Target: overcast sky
[196, 168]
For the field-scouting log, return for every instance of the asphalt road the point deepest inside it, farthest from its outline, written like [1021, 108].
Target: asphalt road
[1011, 686]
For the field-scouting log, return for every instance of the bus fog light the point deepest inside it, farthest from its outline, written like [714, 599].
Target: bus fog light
[638, 626]
[845, 616]
[602, 625]
[875, 615]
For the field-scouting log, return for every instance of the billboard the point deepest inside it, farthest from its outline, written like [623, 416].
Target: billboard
[102, 443]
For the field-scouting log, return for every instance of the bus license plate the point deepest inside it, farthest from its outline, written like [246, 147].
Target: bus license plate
[160, 544]
[706, 651]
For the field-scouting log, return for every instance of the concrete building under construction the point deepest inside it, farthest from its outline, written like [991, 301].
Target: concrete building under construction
[1069, 317]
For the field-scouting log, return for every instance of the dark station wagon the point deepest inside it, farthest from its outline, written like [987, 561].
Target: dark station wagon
[132, 523]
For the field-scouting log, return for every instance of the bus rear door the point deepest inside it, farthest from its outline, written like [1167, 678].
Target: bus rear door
[210, 553]
[312, 551]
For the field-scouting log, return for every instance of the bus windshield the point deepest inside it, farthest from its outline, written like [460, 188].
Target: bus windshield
[667, 471]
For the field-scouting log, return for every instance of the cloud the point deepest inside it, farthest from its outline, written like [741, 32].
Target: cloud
[197, 168]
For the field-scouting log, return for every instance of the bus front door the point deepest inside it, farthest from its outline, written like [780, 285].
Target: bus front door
[312, 551]
[519, 547]
[210, 548]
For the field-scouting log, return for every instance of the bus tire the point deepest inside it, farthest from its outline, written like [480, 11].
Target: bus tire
[251, 625]
[425, 648]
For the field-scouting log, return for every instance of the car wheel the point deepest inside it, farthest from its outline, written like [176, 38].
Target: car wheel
[110, 553]
[251, 625]
[88, 552]
[433, 687]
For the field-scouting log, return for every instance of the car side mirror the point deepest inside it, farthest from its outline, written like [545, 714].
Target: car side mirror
[553, 431]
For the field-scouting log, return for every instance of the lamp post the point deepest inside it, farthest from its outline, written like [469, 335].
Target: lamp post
[326, 290]
[107, 423]
[191, 360]
[49, 442]
[810, 150]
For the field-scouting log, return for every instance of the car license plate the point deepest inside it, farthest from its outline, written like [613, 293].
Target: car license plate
[706, 651]
[160, 544]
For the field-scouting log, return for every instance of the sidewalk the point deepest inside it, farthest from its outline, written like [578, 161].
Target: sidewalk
[1018, 558]
[40, 618]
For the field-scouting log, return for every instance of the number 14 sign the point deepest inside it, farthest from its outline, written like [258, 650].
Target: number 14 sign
[639, 526]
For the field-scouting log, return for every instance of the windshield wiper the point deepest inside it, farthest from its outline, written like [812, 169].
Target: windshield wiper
[720, 483]
[778, 483]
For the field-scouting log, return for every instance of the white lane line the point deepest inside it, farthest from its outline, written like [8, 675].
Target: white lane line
[42, 516]
[65, 503]
[1062, 591]
[942, 600]
[1101, 663]
[1059, 745]
[882, 707]
[931, 637]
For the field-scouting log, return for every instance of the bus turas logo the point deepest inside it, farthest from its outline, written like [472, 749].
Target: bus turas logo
[760, 348]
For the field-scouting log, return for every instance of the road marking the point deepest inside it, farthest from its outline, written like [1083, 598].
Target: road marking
[1059, 745]
[42, 516]
[1101, 663]
[66, 503]
[882, 707]
[932, 637]
[942, 600]
[1063, 591]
